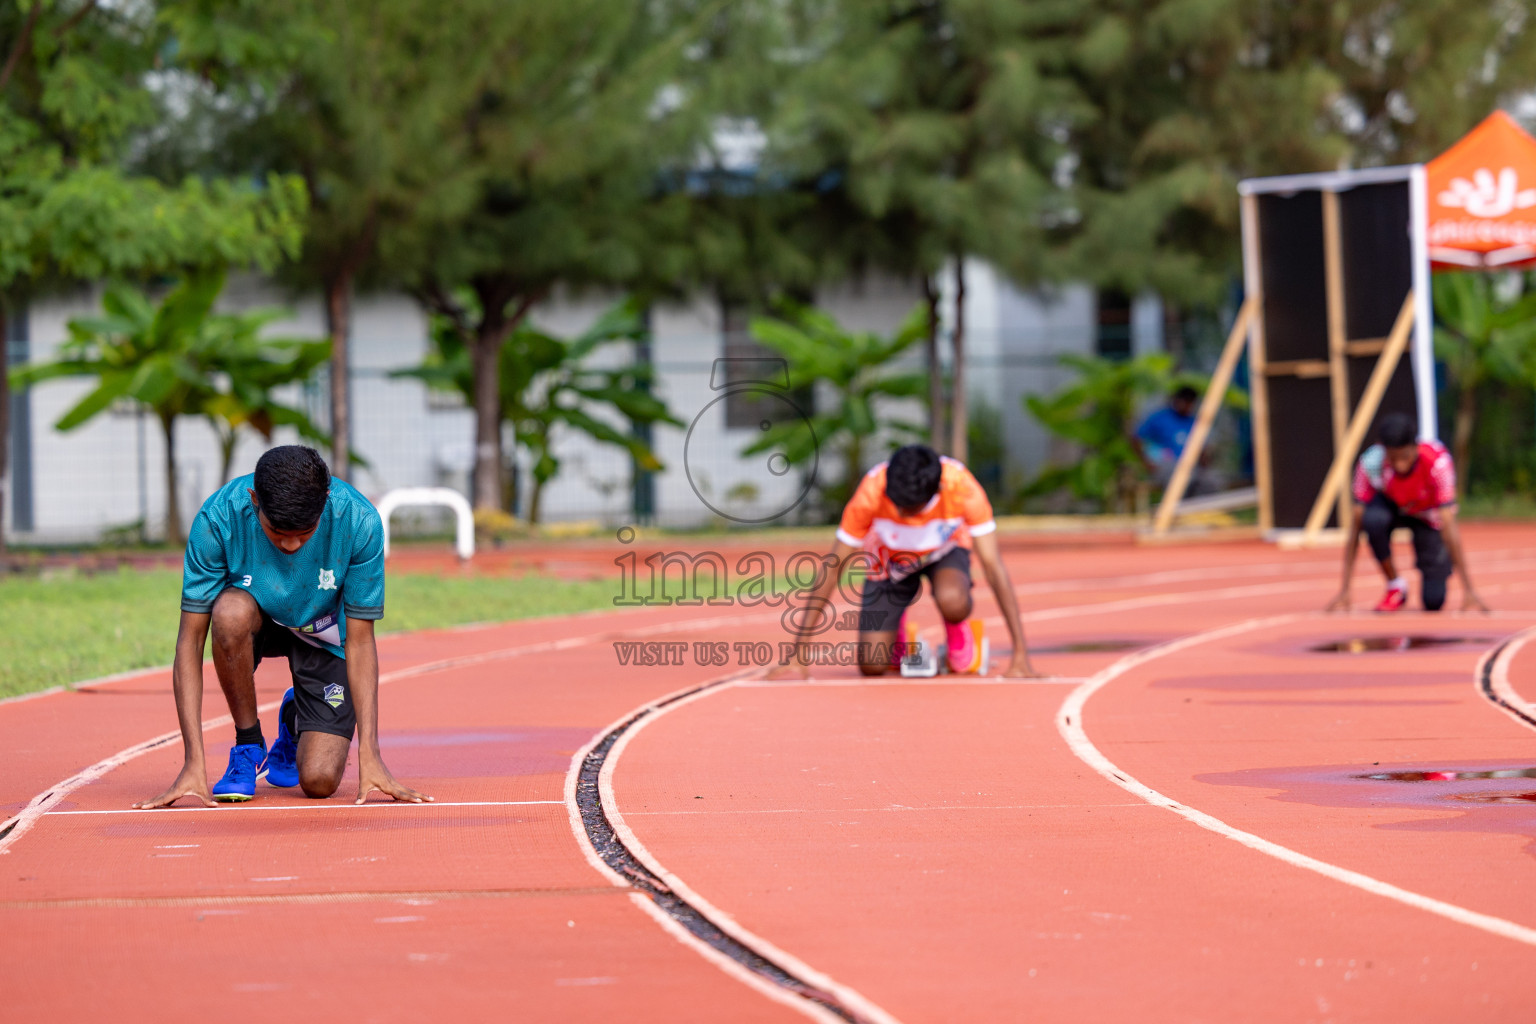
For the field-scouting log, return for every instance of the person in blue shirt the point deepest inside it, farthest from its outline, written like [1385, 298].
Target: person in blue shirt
[1161, 437]
[285, 562]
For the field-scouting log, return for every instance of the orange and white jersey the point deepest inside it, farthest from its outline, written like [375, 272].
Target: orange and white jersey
[959, 511]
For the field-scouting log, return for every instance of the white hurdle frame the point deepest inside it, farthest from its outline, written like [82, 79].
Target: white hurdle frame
[464, 537]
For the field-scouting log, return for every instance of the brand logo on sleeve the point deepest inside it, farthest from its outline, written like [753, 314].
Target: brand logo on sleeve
[335, 696]
[327, 579]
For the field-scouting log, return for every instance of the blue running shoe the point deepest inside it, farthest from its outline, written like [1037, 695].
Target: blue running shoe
[247, 761]
[283, 758]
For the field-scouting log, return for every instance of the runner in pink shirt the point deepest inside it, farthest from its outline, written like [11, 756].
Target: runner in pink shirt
[1407, 483]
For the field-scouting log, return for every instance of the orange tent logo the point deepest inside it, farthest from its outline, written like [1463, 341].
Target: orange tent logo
[1482, 197]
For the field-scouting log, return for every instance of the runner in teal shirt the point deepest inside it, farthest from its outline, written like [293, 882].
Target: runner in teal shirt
[337, 575]
[287, 563]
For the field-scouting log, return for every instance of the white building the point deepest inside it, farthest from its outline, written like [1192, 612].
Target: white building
[110, 473]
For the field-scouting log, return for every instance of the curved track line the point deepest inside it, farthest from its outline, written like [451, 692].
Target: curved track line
[1069, 722]
[1493, 679]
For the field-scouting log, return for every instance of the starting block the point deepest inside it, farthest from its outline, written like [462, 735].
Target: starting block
[923, 660]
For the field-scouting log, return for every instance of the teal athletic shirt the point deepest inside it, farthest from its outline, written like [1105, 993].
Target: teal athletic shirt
[338, 572]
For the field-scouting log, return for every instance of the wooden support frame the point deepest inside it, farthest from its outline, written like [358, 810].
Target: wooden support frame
[1327, 269]
[1258, 368]
[1335, 483]
[1210, 405]
[1338, 366]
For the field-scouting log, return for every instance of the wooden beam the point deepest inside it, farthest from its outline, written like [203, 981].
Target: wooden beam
[1365, 347]
[1263, 474]
[1210, 405]
[1305, 368]
[1344, 457]
[1338, 366]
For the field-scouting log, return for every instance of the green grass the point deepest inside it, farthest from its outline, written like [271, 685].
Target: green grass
[1499, 506]
[66, 627]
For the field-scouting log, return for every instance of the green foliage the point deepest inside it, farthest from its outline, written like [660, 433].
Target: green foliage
[76, 100]
[179, 358]
[1098, 414]
[855, 367]
[546, 386]
[1486, 335]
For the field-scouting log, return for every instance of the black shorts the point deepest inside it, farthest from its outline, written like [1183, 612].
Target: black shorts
[886, 599]
[321, 695]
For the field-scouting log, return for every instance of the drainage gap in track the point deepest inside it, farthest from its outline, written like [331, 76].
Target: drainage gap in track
[618, 857]
[1485, 684]
[1366, 644]
[1092, 647]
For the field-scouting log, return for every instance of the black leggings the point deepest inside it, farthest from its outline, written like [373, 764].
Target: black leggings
[1381, 517]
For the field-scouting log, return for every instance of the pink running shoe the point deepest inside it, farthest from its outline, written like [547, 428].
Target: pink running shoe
[964, 643]
[1393, 599]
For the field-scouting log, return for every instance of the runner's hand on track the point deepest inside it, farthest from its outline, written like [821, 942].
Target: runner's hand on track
[1340, 602]
[371, 777]
[188, 783]
[1020, 668]
[1472, 603]
[794, 670]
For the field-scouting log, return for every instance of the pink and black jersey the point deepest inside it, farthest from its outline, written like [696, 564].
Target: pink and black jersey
[1423, 491]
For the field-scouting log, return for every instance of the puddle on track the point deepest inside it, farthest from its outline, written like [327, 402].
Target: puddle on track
[1367, 644]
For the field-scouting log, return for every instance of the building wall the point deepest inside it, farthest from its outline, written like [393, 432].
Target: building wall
[110, 472]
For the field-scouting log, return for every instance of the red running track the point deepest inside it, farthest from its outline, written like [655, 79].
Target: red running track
[1180, 826]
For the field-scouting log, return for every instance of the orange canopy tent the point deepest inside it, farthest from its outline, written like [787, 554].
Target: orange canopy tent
[1482, 198]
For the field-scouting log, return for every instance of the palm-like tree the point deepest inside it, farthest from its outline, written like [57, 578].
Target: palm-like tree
[546, 387]
[1482, 335]
[179, 358]
[855, 367]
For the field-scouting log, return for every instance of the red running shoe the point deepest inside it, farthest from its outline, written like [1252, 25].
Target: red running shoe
[1393, 599]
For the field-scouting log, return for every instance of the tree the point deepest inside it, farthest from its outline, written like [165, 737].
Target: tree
[544, 386]
[941, 117]
[1486, 332]
[170, 358]
[365, 103]
[574, 141]
[856, 367]
[75, 98]
[247, 370]
[1182, 99]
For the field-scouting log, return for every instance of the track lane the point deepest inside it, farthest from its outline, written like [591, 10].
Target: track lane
[504, 692]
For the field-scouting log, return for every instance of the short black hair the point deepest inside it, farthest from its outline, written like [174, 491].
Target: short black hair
[1397, 430]
[292, 484]
[912, 476]
[1186, 394]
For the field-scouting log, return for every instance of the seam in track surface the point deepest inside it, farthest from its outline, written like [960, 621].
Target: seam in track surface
[1493, 681]
[623, 862]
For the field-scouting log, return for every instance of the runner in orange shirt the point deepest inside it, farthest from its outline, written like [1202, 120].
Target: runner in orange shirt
[918, 515]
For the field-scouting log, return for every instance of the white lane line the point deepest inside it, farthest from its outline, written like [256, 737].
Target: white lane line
[1069, 722]
[250, 808]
